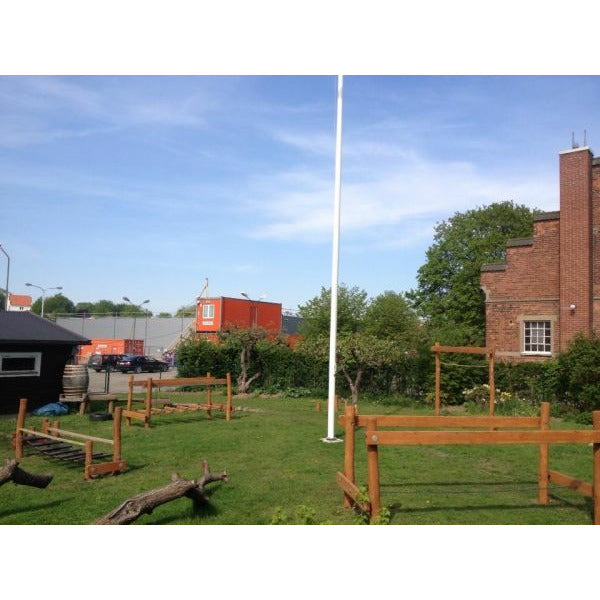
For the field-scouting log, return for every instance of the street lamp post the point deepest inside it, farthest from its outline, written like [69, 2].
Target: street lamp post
[139, 307]
[7, 274]
[44, 290]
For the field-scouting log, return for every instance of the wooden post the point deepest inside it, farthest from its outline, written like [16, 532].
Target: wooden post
[349, 445]
[117, 434]
[57, 426]
[89, 455]
[373, 467]
[596, 480]
[438, 377]
[208, 398]
[492, 382]
[20, 425]
[229, 407]
[318, 406]
[45, 424]
[543, 464]
[148, 402]
[129, 398]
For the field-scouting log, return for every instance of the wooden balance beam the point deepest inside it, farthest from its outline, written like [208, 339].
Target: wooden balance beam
[534, 430]
[150, 384]
[60, 443]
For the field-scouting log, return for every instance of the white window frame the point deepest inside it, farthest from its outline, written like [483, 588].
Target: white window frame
[547, 326]
[35, 372]
[208, 311]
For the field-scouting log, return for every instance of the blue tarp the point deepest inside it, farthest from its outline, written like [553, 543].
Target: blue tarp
[54, 408]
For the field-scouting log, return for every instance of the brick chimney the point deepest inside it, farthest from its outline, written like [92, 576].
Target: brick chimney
[575, 295]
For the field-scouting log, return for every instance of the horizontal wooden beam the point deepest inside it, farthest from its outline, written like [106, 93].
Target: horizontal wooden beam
[178, 382]
[423, 438]
[448, 421]
[52, 437]
[352, 490]
[81, 436]
[461, 349]
[107, 467]
[577, 485]
[134, 414]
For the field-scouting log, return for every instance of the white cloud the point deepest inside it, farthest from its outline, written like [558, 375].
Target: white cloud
[415, 191]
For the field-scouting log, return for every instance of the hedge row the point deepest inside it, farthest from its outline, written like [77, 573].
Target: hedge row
[572, 379]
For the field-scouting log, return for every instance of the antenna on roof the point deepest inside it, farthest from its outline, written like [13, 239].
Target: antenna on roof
[574, 144]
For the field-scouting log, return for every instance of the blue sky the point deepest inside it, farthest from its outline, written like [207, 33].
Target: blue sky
[145, 186]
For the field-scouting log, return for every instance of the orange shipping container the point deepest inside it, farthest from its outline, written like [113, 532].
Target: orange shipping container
[112, 346]
[219, 314]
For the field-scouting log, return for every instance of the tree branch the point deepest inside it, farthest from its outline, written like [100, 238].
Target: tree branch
[12, 472]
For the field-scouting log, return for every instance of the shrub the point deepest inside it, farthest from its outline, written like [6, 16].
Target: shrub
[579, 374]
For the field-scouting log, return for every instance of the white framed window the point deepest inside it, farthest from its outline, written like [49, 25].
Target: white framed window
[20, 364]
[537, 337]
[208, 311]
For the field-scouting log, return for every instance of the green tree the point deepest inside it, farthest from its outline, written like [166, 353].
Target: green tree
[389, 316]
[105, 307]
[54, 305]
[186, 311]
[356, 352]
[448, 292]
[352, 305]
[84, 309]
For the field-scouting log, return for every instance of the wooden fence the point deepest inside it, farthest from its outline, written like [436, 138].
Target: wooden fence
[150, 385]
[64, 445]
[532, 430]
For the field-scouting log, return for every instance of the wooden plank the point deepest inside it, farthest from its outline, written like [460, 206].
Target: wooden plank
[20, 428]
[52, 437]
[460, 349]
[159, 383]
[108, 467]
[577, 485]
[351, 490]
[373, 469]
[448, 421]
[596, 469]
[134, 414]
[349, 447]
[423, 438]
[544, 456]
[81, 436]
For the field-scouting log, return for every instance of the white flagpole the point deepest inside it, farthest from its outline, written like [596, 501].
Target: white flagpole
[335, 267]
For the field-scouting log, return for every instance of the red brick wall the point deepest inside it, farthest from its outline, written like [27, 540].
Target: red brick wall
[527, 287]
[575, 244]
[561, 267]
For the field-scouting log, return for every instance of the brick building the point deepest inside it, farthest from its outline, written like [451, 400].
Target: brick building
[548, 290]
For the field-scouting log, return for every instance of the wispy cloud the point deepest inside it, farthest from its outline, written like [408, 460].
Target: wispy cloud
[417, 190]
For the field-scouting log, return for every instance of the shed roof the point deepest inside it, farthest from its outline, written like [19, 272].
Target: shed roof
[27, 328]
[19, 300]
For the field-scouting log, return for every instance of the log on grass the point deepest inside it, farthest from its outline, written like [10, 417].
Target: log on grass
[12, 472]
[146, 502]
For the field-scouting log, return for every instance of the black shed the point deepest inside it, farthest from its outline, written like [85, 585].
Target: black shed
[33, 355]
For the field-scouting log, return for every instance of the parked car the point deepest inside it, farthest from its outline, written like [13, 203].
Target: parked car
[137, 364]
[100, 362]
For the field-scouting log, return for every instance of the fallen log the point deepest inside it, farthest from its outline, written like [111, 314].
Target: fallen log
[146, 502]
[12, 472]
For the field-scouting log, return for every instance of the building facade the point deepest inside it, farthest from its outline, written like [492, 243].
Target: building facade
[219, 314]
[548, 290]
[19, 302]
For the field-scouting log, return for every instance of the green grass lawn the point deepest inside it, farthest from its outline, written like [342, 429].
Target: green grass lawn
[278, 465]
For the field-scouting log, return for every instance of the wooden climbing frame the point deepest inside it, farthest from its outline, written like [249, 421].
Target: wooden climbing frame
[490, 355]
[70, 446]
[532, 430]
[150, 385]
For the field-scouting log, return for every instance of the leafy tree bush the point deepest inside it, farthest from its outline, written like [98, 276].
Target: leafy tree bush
[448, 292]
[579, 374]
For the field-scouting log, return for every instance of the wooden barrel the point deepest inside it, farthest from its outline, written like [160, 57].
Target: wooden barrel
[75, 380]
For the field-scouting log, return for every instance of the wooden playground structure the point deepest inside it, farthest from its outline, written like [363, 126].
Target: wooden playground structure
[156, 406]
[517, 430]
[490, 355]
[70, 446]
